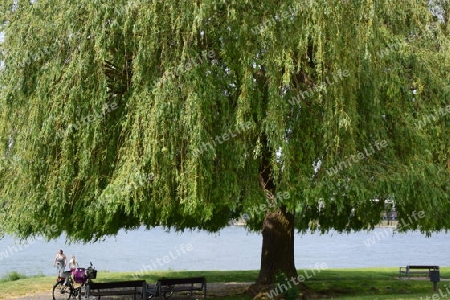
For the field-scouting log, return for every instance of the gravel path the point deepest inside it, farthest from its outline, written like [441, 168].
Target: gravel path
[213, 290]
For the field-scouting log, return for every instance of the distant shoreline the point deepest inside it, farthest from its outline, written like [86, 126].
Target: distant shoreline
[382, 224]
[390, 224]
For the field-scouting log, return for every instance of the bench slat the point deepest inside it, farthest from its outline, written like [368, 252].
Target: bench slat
[169, 281]
[422, 267]
[182, 285]
[112, 293]
[117, 284]
[186, 288]
[135, 287]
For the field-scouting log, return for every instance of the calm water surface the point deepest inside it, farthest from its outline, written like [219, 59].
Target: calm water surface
[233, 248]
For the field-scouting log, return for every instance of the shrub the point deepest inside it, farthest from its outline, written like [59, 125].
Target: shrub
[12, 276]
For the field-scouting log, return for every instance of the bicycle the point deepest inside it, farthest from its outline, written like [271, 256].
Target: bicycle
[66, 290]
[166, 291]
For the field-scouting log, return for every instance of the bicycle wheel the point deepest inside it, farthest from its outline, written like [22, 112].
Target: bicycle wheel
[84, 296]
[60, 291]
[168, 293]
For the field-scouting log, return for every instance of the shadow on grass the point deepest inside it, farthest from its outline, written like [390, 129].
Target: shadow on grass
[369, 283]
[342, 284]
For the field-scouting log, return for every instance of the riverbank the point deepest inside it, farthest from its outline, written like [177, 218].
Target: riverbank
[364, 283]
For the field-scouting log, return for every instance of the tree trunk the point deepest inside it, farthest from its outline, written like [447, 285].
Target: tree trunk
[277, 253]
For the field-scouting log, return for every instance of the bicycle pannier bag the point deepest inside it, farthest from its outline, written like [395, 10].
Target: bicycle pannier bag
[79, 275]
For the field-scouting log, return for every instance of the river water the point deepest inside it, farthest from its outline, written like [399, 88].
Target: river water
[233, 248]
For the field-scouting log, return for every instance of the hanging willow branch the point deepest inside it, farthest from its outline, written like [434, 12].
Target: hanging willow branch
[118, 77]
[188, 129]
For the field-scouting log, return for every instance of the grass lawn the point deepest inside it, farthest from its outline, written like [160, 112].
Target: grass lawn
[364, 284]
[373, 283]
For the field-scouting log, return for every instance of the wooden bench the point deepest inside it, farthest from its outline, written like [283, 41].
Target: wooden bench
[165, 287]
[406, 271]
[135, 288]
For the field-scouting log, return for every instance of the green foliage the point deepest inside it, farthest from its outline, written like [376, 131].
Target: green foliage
[12, 276]
[183, 74]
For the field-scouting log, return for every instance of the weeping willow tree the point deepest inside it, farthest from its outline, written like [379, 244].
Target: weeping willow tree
[300, 115]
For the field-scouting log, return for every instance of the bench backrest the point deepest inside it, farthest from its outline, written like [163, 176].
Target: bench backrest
[118, 284]
[190, 280]
[422, 267]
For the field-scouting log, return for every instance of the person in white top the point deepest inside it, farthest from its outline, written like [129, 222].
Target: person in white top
[73, 264]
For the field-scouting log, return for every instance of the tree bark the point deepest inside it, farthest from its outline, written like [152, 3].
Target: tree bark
[277, 253]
